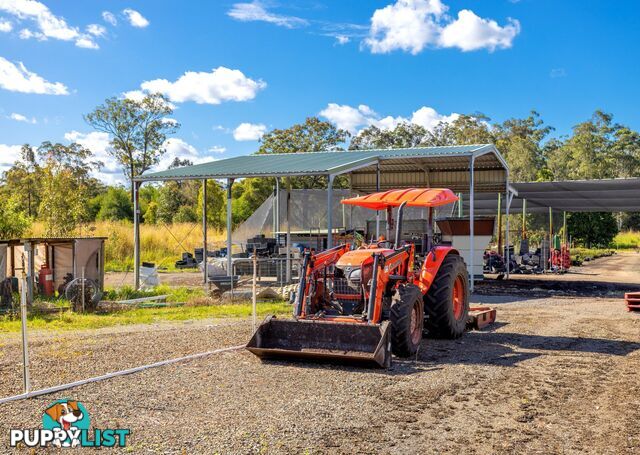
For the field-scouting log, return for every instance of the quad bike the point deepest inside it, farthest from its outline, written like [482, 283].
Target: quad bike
[361, 305]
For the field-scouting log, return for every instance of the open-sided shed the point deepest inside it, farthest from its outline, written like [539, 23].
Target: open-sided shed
[67, 258]
[472, 168]
[598, 195]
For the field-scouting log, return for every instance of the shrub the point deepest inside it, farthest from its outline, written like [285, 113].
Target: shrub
[115, 205]
[13, 222]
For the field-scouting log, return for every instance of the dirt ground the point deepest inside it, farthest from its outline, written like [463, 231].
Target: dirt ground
[554, 375]
[622, 267]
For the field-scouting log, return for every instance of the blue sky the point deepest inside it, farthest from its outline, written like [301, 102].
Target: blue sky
[235, 69]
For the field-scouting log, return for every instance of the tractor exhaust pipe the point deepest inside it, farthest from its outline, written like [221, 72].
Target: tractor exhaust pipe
[399, 224]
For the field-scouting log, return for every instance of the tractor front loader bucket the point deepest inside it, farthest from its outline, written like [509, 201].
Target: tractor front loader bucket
[341, 342]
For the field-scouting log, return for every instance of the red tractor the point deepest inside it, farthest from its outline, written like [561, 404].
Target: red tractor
[362, 304]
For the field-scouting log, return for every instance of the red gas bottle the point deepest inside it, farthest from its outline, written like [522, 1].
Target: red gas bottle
[46, 280]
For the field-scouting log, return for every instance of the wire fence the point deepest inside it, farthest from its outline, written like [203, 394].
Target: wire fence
[131, 335]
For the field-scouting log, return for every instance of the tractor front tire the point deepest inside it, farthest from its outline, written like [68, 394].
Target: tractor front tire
[447, 301]
[407, 321]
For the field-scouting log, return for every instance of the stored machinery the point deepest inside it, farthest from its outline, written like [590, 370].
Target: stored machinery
[361, 304]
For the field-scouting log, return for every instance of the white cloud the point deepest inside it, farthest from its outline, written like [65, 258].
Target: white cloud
[111, 172]
[22, 118]
[428, 118]
[48, 24]
[347, 117]
[408, 25]
[169, 120]
[138, 96]
[95, 141]
[8, 155]
[217, 149]
[342, 39]
[413, 25]
[86, 43]
[109, 18]
[354, 119]
[25, 33]
[99, 144]
[221, 84]
[135, 18]
[5, 26]
[178, 148]
[256, 11]
[249, 131]
[470, 32]
[19, 79]
[96, 30]
[134, 95]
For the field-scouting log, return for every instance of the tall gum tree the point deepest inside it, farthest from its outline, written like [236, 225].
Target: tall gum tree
[137, 131]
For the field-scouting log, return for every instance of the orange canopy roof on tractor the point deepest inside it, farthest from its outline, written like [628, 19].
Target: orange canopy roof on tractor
[414, 197]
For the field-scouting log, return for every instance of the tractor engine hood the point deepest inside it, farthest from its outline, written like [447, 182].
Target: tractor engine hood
[355, 258]
[353, 265]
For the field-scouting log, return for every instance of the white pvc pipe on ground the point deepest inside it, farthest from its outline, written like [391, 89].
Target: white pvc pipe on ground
[70, 385]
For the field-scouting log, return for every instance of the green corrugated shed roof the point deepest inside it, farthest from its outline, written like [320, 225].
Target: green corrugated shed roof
[313, 163]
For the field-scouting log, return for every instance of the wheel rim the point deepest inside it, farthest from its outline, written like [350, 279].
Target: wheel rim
[458, 298]
[416, 326]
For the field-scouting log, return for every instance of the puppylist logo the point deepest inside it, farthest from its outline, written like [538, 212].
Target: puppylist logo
[65, 423]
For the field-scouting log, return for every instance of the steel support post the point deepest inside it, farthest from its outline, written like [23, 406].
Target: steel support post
[524, 219]
[500, 250]
[136, 235]
[472, 220]
[288, 239]
[330, 212]
[277, 205]
[205, 262]
[28, 247]
[377, 211]
[26, 381]
[229, 227]
[507, 236]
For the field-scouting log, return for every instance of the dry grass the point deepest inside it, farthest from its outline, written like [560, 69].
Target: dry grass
[627, 240]
[161, 244]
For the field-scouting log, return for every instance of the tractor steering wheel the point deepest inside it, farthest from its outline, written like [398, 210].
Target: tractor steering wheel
[385, 244]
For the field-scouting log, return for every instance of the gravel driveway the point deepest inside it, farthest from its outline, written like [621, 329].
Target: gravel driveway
[555, 375]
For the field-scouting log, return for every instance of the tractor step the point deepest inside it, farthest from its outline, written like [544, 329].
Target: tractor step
[632, 300]
[344, 342]
[480, 317]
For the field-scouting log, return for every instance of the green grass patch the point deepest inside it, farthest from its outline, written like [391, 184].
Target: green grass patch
[181, 294]
[75, 321]
[579, 254]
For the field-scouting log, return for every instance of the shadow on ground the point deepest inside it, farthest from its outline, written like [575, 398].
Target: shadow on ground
[484, 348]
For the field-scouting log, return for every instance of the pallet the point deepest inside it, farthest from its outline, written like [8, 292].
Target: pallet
[632, 299]
[480, 317]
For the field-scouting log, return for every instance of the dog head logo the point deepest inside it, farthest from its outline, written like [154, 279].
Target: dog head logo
[69, 416]
[65, 423]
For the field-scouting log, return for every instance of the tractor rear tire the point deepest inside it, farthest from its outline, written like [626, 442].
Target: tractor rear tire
[447, 301]
[407, 321]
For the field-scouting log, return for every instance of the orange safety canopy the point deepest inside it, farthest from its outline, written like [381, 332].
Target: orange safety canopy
[414, 197]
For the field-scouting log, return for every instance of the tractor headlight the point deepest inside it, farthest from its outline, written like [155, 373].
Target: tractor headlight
[355, 276]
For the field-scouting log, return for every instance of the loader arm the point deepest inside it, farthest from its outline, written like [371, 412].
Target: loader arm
[311, 265]
[387, 272]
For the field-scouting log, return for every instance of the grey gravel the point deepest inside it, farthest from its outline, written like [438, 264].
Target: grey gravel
[553, 376]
